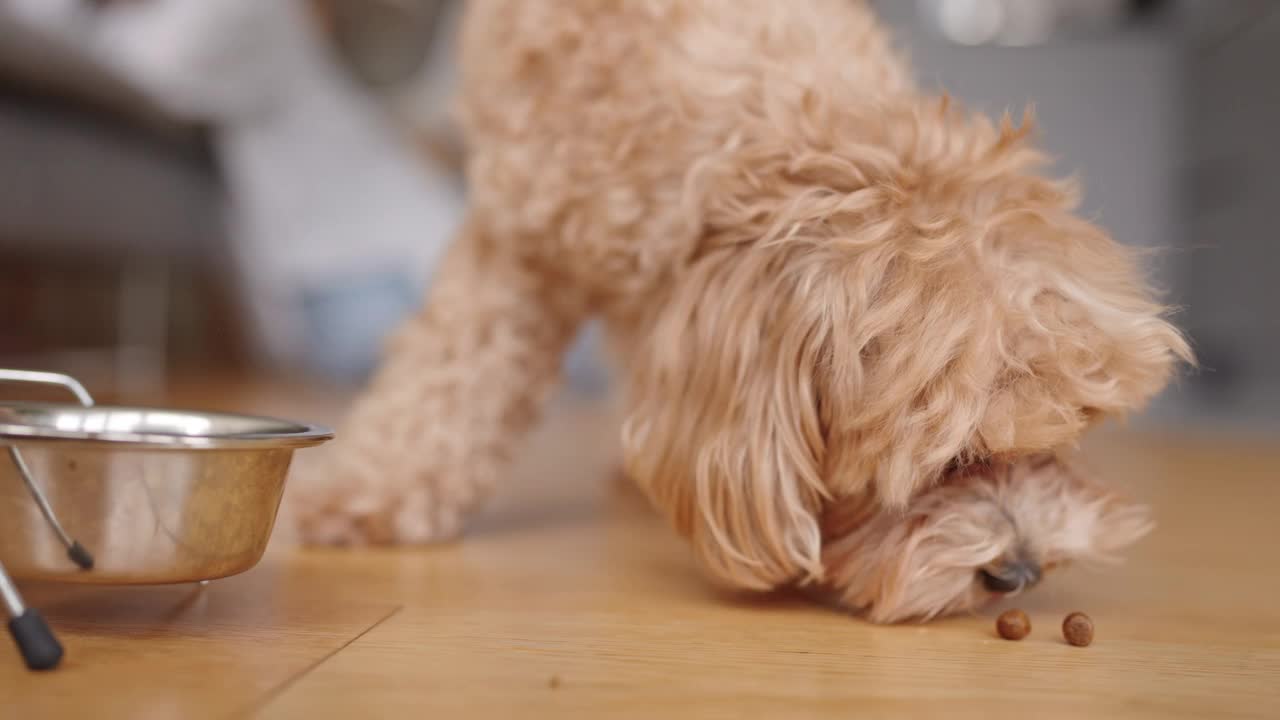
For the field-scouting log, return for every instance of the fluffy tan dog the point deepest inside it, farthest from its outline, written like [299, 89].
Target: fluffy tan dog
[857, 326]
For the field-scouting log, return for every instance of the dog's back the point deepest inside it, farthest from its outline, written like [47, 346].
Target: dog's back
[588, 121]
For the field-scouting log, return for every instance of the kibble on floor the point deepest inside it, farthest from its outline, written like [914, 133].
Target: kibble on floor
[1077, 629]
[1013, 624]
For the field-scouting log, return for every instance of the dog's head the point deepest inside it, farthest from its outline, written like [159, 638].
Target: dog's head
[860, 319]
[983, 532]
[988, 320]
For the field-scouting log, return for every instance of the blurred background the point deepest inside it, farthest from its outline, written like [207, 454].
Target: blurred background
[197, 190]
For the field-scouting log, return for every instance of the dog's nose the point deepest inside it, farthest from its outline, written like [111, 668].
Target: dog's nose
[1011, 576]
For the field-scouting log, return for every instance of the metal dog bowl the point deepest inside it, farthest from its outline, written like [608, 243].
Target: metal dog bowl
[150, 496]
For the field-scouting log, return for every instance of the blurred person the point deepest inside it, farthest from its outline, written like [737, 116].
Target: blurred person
[337, 221]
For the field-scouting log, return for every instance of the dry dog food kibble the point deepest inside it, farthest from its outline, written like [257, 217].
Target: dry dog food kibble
[1013, 625]
[1077, 628]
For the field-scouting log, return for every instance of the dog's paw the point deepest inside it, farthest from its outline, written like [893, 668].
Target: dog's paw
[354, 513]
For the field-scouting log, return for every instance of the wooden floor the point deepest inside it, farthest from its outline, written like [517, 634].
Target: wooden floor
[569, 598]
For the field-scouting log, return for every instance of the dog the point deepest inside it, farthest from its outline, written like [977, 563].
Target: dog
[857, 325]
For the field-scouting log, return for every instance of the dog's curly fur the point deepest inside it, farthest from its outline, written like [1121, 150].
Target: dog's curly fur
[857, 323]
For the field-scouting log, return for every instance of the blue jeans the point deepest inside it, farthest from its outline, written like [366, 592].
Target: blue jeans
[348, 323]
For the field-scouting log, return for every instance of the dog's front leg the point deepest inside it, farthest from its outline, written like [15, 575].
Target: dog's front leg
[460, 384]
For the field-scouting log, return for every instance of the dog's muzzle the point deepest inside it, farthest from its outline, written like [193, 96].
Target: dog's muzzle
[1011, 576]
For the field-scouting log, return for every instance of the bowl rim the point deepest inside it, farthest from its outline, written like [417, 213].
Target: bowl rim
[307, 434]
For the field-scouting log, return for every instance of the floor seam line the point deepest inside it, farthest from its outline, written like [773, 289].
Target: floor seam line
[262, 703]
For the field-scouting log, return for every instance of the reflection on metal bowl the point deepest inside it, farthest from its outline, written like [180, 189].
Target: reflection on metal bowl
[157, 496]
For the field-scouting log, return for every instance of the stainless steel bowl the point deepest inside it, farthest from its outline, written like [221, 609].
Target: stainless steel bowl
[156, 495]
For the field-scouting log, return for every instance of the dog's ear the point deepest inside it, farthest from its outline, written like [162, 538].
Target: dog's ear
[780, 375]
[910, 373]
[724, 430]
[1083, 336]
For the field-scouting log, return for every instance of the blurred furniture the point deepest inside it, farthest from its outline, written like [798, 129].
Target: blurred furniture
[90, 172]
